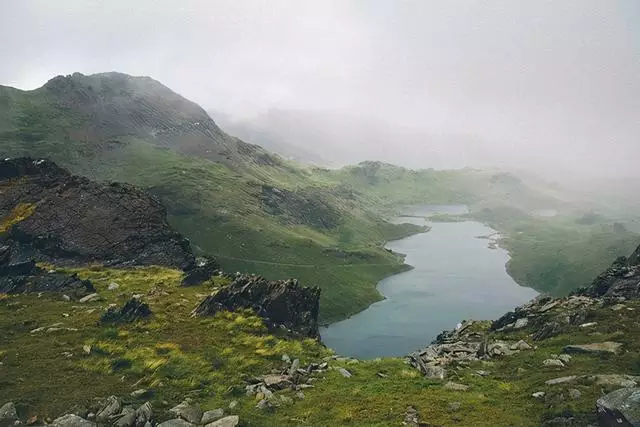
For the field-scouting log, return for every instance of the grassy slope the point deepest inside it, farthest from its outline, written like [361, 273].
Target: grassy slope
[209, 358]
[549, 254]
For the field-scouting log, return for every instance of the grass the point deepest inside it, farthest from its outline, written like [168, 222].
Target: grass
[20, 212]
[210, 358]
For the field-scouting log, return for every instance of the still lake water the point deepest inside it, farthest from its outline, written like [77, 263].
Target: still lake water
[455, 277]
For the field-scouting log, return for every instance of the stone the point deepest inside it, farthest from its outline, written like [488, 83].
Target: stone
[233, 404]
[282, 304]
[113, 286]
[277, 382]
[211, 416]
[455, 386]
[300, 395]
[565, 358]
[555, 363]
[588, 325]
[574, 394]
[454, 406]
[86, 349]
[620, 407]
[483, 373]
[618, 307]
[411, 417]
[188, 411]
[133, 310]
[177, 422]
[521, 323]
[561, 380]
[230, 421]
[616, 380]
[345, 373]
[294, 366]
[263, 404]
[90, 298]
[521, 345]
[66, 298]
[8, 412]
[72, 420]
[435, 372]
[109, 409]
[607, 347]
[538, 394]
[203, 270]
[286, 358]
[144, 414]
[127, 418]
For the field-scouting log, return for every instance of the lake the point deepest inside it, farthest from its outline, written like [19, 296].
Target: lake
[456, 276]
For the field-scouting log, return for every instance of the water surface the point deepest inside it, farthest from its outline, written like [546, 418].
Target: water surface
[456, 276]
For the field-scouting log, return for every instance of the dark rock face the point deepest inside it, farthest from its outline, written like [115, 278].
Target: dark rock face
[619, 408]
[51, 215]
[133, 310]
[24, 276]
[300, 207]
[284, 304]
[203, 270]
[622, 279]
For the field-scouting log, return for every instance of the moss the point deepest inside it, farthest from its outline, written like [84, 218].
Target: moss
[19, 213]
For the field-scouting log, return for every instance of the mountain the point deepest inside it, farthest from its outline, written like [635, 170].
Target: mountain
[257, 212]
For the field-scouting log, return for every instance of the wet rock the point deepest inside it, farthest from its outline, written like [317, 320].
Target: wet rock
[230, 421]
[71, 420]
[211, 416]
[607, 347]
[619, 408]
[133, 310]
[188, 411]
[282, 304]
[112, 407]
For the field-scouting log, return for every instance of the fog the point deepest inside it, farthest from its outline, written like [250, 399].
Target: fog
[547, 86]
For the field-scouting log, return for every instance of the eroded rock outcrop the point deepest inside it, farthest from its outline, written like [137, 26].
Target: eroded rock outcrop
[282, 304]
[622, 279]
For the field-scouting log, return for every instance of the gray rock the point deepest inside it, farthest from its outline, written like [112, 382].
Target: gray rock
[538, 394]
[263, 404]
[455, 386]
[177, 422]
[72, 420]
[294, 366]
[561, 380]
[521, 323]
[233, 404]
[607, 347]
[286, 358]
[454, 406]
[432, 371]
[113, 286]
[620, 408]
[144, 414]
[565, 358]
[230, 421]
[90, 298]
[8, 412]
[188, 411]
[521, 345]
[127, 418]
[345, 373]
[277, 382]
[112, 407]
[211, 416]
[66, 298]
[555, 363]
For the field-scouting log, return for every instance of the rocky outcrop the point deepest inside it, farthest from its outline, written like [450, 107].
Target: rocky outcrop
[620, 408]
[49, 215]
[622, 279]
[17, 276]
[53, 216]
[133, 310]
[282, 304]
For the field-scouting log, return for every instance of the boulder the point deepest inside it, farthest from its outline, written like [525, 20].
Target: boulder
[282, 304]
[72, 420]
[188, 411]
[620, 408]
[133, 310]
[230, 421]
[111, 408]
[202, 271]
[345, 373]
[127, 418]
[176, 422]
[607, 347]
[144, 414]
[555, 363]
[8, 414]
[211, 416]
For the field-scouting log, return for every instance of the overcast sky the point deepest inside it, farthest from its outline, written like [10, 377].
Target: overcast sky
[548, 84]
